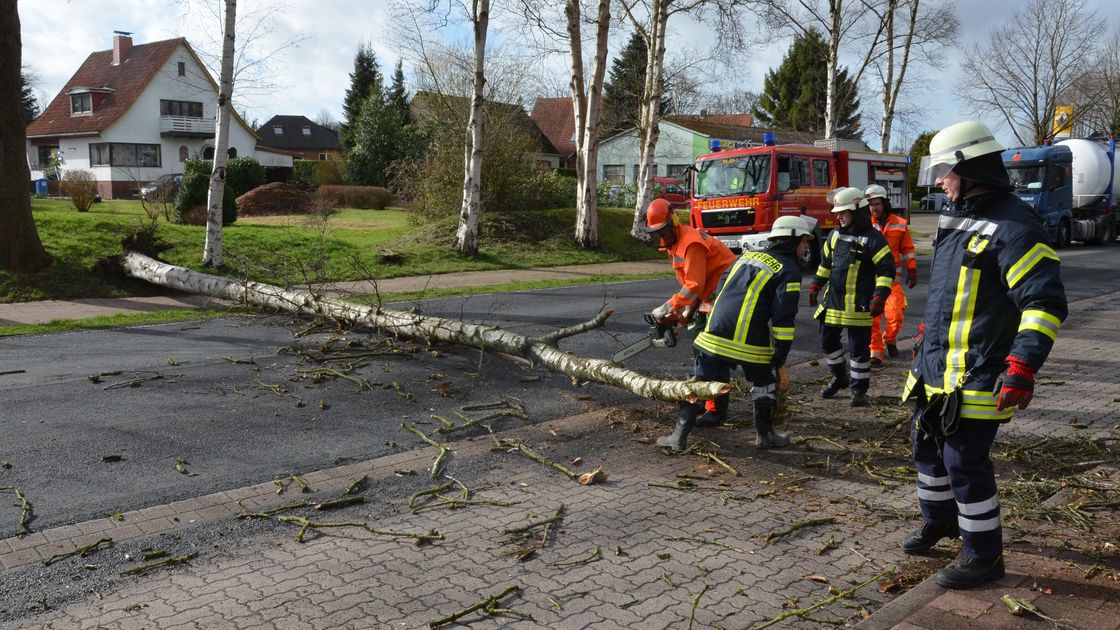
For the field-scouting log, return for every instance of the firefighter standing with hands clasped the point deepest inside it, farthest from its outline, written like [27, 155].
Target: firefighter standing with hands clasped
[751, 326]
[699, 261]
[851, 287]
[897, 232]
[996, 302]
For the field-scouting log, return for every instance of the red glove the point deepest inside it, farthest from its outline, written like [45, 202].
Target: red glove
[918, 340]
[913, 273]
[1016, 386]
[814, 290]
[877, 304]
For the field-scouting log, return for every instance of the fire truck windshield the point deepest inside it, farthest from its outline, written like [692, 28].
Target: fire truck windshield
[725, 177]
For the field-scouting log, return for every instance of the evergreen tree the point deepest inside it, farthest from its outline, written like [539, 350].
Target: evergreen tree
[622, 93]
[366, 79]
[380, 135]
[397, 96]
[793, 96]
[28, 102]
[918, 150]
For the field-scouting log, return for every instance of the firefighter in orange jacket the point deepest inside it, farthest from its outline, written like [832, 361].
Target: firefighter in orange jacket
[699, 261]
[897, 232]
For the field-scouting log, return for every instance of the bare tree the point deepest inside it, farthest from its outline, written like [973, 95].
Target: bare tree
[736, 101]
[912, 29]
[212, 251]
[855, 23]
[1100, 93]
[20, 247]
[326, 119]
[466, 237]
[1031, 65]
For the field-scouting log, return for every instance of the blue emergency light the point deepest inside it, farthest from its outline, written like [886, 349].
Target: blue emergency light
[715, 146]
[768, 138]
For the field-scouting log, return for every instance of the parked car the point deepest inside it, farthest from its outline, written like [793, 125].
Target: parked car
[163, 188]
[672, 190]
[933, 202]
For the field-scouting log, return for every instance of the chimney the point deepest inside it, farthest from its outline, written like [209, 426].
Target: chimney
[122, 45]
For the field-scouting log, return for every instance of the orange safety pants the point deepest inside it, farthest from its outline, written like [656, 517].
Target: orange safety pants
[892, 312]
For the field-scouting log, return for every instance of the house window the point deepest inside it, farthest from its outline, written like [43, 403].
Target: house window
[614, 174]
[186, 109]
[182, 69]
[123, 154]
[676, 171]
[208, 153]
[278, 130]
[307, 131]
[184, 153]
[81, 103]
[232, 152]
[638, 170]
[322, 157]
[820, 173]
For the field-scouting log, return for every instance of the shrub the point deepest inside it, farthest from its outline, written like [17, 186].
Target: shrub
[366, 197]
[558, 190]
[311, 174]
[274, 198]
[81, 187]
[194, 189]
[243, 175]
[615, 196]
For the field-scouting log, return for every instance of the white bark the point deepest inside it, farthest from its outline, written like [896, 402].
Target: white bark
[466, 238]
[649, 116]
[423, 327]
[212, 251]
[586, 108]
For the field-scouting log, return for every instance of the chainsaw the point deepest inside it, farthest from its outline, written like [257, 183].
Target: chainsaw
[661, 335]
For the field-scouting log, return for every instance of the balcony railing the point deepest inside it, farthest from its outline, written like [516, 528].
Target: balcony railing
[185, 127]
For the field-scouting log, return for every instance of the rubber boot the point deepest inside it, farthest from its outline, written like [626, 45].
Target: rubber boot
[839, 381]
[686, 419]
[714, 418]
[892, 349]
[859, 398]
[923, 540]
[969, 572]
[764, 425]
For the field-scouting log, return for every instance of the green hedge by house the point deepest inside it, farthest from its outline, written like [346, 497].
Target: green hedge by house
[311, 174]
[242, 175]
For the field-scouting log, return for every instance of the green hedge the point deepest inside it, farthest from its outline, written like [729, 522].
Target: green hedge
[311, 174]
[242, 175]
[363, 197]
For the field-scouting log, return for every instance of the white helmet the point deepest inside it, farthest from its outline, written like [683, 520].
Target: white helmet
[953, 145]
[846, 199]
[790, 226]
[875, 191]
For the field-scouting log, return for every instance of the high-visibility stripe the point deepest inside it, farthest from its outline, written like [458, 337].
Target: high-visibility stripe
[793, 286]
[977, 412]
[881, 254]
[823, 272]
[739, 352]
[678, 260]
[750, 301]
[987, 228]
[935, 495]
[763, 392]
[836, 317]
[964, 306]
[911, 381]
[688, 294]
[850, 287]
[884, 281]
[970, 525]
[1040, 321]
[861, 240]
[1023, 266]
[896, 226]
[910, 256]
[783, 333]
[933, 481]
[979, 507]
[836, 357]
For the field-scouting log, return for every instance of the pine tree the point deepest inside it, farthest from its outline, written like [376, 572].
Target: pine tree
[29, 103]
[364, 80]
[793, 95]
[381, 135]
[622, 93]
[397, 96]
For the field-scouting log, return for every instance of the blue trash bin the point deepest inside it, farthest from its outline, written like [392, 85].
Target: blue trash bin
[41, 187]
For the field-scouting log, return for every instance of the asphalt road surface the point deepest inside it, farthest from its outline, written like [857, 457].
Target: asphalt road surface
[235, 401]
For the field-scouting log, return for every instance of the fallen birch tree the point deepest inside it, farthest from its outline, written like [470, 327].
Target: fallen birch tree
[417, 326]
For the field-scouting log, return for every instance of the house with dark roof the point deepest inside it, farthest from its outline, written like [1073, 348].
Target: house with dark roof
[682, 139]
[300, 137]
[135, 112]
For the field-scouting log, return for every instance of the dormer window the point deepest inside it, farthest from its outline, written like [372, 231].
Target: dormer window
[306, 130]
[81, 103]
[278, 130]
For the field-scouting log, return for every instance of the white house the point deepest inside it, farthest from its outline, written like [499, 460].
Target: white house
[133, 113]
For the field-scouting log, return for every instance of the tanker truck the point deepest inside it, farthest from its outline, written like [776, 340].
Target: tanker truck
[1072, 186]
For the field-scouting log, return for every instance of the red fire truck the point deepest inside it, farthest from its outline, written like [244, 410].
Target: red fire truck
[737, 194]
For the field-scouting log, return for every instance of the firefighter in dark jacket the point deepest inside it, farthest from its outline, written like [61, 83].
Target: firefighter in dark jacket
[996, 301]
[751, 325]
[851, 287]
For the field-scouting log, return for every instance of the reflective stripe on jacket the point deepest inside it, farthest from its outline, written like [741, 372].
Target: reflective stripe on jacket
[758, 294]
[853, 268]
[897, 232]
[699, 261]
[994, 291]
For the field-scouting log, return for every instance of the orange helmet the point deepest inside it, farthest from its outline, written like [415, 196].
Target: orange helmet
[659, 214]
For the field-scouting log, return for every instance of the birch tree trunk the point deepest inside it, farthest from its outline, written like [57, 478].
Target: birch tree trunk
[541, 349]
[892, 85]
[830, 99]
[466, 238]
[586, 106]
[649, 118]
[212, 251]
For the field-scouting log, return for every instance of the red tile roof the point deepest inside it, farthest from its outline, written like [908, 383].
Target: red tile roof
[127, 81]
[557, 122]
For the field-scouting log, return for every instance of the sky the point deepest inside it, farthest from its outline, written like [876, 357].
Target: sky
[312, 74]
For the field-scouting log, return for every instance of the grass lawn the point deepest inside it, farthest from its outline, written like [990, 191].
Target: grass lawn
[290, 249]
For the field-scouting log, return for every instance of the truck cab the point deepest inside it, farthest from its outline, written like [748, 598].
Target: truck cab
[1041, 176]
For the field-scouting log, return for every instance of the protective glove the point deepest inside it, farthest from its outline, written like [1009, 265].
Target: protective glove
[918, 341]
[1015, 387]
[913, 273]
[877, 304]
[814, 291]
[664, 314]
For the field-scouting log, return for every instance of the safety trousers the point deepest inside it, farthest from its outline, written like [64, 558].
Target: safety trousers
[859, 359]
[710, 367]
[692, 331]
[893, 312]
[959, 483]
